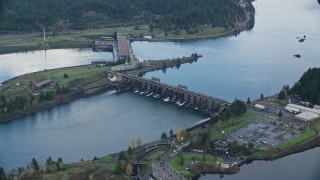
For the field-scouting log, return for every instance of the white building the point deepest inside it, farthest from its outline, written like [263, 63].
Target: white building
[291, 109]
[307, 116]
[260, 107]
[303, 109]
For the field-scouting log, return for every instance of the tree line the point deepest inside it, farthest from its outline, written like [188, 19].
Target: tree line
[32, 15]
[24, 102]
[308, 87]
[237, 108]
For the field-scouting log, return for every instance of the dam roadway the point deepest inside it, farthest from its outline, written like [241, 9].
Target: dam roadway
[180, 95]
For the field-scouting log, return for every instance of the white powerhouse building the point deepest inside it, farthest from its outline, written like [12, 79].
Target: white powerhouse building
[306, 114]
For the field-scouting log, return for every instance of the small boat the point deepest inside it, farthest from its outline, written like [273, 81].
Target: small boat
[149, 94]
[297, 55]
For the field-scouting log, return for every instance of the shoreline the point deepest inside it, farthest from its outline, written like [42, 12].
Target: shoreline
[80, 43]
[23, 49]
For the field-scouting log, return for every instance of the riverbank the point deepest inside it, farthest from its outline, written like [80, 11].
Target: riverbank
[14, 43]
[22, 42]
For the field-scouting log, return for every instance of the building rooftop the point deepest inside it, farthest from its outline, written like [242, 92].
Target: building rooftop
[123, 44]
[41, 83]
[303, 109]
[307, 116]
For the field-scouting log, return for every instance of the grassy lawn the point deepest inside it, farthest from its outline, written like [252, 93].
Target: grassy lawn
[86, 74]
[308, 134]
[156, 154]
[190, 157]
[239, 124]
[316, 124]
[107, 158]
[217, 135]
[244, 116]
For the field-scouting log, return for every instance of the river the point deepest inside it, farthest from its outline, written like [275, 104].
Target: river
[300, 166]
[254, 62]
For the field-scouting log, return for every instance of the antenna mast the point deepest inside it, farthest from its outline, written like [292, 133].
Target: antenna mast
[44, 34]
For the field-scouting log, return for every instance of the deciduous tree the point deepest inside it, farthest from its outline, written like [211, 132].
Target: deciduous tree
[129, 169]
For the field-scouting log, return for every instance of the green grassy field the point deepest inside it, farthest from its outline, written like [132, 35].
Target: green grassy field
[316, 124]
[156, 154]
[79, 75]
[189, 158]
[239, 124]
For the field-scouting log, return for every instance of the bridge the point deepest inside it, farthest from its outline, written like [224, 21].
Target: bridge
[180, 95]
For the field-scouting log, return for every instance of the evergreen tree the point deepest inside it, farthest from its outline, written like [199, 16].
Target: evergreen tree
[60, 160]
[49, 161]
[60, 163]
[65, 75]
[129, 150]
[123, 156]
[248, 101]
[280, 114]
[308, 87]
[95, 158]
[35, 165]
[2, 174]
[281, 95]
[164, 136]
[117, 169]
[238, 107]
[171, 132]
[1, 6]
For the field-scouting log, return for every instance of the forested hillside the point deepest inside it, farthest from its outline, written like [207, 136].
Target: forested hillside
[32, 15]
[308, 87]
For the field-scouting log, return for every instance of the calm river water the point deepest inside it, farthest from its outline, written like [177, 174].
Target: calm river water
[254, 62]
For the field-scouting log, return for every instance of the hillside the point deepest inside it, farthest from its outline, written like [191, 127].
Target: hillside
[308, 87]
[167, 15]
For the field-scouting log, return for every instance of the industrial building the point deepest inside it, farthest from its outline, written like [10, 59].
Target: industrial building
[42, 84]
[260, 107]
[306, 114]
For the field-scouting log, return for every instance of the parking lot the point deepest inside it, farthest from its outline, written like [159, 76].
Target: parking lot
[163, 171]
[264, 135]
